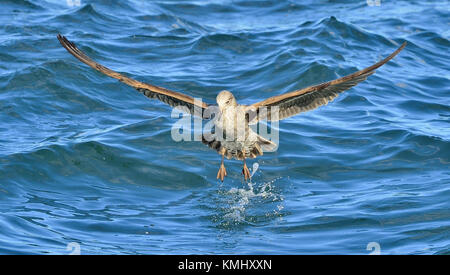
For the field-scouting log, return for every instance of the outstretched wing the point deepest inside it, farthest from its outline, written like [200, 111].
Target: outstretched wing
[169, 97]
[309, 98]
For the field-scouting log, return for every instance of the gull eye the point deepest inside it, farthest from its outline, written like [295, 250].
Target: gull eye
[228, 102]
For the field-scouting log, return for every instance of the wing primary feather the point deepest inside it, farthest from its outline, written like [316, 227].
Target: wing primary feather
[169, 97]
[309, 98]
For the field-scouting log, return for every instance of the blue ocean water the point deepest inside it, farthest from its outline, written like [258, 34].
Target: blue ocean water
[85, 159]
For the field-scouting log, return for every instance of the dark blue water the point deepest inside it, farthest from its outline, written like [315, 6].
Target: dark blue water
[86, 159]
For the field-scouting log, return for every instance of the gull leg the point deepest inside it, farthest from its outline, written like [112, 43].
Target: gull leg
[245, 170]
[222, 172]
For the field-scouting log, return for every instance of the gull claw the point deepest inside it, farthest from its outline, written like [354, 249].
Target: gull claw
[222, 172]
[246, 172]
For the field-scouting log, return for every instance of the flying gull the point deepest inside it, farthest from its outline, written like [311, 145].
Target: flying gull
[229, 139]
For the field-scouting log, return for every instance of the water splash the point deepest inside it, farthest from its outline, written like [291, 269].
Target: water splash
[255, 168]
[251, 204]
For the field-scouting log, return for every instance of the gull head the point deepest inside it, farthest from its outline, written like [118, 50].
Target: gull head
[225, 99]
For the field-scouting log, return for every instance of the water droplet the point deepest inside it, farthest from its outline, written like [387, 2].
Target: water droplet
[255, 168]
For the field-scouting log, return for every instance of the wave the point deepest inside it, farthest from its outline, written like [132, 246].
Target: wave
[102, 161]
[22, 4]
[85, 14]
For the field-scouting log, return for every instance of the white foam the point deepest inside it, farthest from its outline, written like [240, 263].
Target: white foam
[241, 199]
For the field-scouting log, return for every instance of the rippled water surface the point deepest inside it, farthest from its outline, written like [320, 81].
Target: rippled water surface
[87, 159]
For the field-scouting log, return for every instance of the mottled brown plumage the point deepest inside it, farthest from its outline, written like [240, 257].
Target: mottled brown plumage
[309, 98]
[167, 96]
